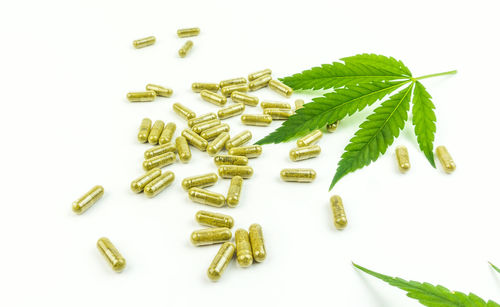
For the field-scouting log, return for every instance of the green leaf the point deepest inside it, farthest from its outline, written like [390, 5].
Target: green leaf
[330, 108]
[494, 267]
[430, 295]
[388, 63]
[375, 134]
[424, 121]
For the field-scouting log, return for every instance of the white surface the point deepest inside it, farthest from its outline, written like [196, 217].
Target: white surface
[66, 67]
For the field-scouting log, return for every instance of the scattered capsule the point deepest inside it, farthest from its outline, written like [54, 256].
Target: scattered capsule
[275, 105]
[217, 144]
[228, 90]
[230, 111]
[199, 86]
[183, 149]
[239, 139]
[144, 42]
[243, 248]
[298, 174]
[230, 160]
[200, 119]
[259, 83]
[185, 49]
[141, 96]
[167, 134]
[229, 171]
[403, 158]
[209, 236]
[220, 262]
[138, 185]
[206, 197]
[159, 161]
[339, 217]
[194, 139]
[280, 88]
[159, 184]
[183, 111]
[258, 74]
[303, 153]
[257, 242]
[218, 100]
[188, 32]
[252, 151]
[155, 133]
[333, 126]
[159, 150]
[83, 203]
[248, 100]
[299, 103]
[199, 128]
[256, 119]
[310, 139]
[215, 131]
[278, 113]
[234, 192]
[445, 159]
[213, 219]
[233, 81]
[144, 130]
[112, 255]
[160, 90]
[200, 181]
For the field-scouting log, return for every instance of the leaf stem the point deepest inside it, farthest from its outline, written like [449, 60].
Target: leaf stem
[451, 72]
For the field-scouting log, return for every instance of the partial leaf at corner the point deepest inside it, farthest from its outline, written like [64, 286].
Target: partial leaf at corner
[424, 120]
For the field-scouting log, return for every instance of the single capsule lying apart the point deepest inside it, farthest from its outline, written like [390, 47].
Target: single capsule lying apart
[183, 111]
[83, 203]
[256, 119]
[198, 87]
[218, 100]
[215, 131]
[138, 184]
[230, 111]
[220, 262]
[403, 158]
[257, 242]
[217, 144]
[230, 160]
[159, 150]
[310, 139]
[159, 184]
[206, 197]
[194, 139]
[229, 171]
[248, 100]
[185, 49]
[213, 219]
[258, 74]
[112, 255]
[208, 236]
[239, 139]
[141, 96]
[299, 103]
[252, 151]
[234, 192]
[167, 134]
[160, 90]
[445, 159]
[228, 90]
[199, 128]
[303, 153]
[280, 88]
[243, 248]
[156, 130]
[298, 174]
[333, 126]
[200, 119]
[159, 161]
[275, 105]
[278, 113]
[143, 42]
[339, 217]
[259, 83]
[144, 130]
[183, 149]
[199, 181]
[233, 81]
[188, 32]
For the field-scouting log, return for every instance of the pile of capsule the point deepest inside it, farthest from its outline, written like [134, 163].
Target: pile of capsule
[187, 32]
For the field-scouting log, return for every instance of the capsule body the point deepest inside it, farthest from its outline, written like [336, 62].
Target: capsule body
[159, 161]
[259, 83]
[239, 139]
[206, 197]
[215, 131]
[275, 105]
[280, 88]
[252, 151]
[144, 42]
[234, 192]
[303, 153]
[248, 100]
[230, 111]
[167, 134]
[156, 130]
[195, 140]
[257, 242]
[230, 160]
[339, 217]
[233, 81]
[83, 203]
[199, 86]
[403, 158]
[218, 100]
[208, 236]
[278, 113]
[217, 144]
[160, 90]
[185, 48]
[199, 128]
[144, 130]
[112, 255]
[201, 119]
[229, 171]
[445, 159]
[310, 139]
[258, 74]
[256, 119]
[243, 248]
[183, 111]
[299, 103]
[333, 126]
[228, 90]
[159, 184]
[159, 150]
[221, 260]
[188, 32]
[213, 219]
[183, 149]
[298, 174]
[138, 184]
[146, 96]
[200, 181]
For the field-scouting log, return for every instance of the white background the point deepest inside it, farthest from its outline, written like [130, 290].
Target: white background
[66, 67]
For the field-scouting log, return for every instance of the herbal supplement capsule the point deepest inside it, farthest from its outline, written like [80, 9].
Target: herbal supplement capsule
[141, 96]
[159, 150]
[256, 119]
[199, 86]
[259, 83]
[208, 236]
[200, 181]
[194, 139]
[138, 185]
[159, 161]
[199, 128]
[230, 111]
[217, 144]
[278, 113]
[188, 32]
[159, 184]
[218, 100]
[228, 90]
[339, 217]
[144, 130]
[258, 74]
[83, 203]
[213, 219]
[280, 88]
[233, 81]
[303, 153]
[183, 111]
[275, 105]
[183, 149]
[200, 119]
[156, 130]
[229, 171]
[298, 174]
[143, 42]
[252, 151]
[233, 194]
[299, 103]
[220, 262]
[167, 134]
[230, 160]
[206, 197]
[445, 159]
[403, 158]
[243, 248]
[244, 98]
[160, 90]
[239, 139]
[112, 255]
[185, 49]
[257, 242]
[333, 126]
[310, 139]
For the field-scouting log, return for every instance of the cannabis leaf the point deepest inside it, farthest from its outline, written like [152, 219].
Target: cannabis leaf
[430, 295]
[424, 121]
[494, 267]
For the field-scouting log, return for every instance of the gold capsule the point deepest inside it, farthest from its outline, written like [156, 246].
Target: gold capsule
[403, 158]
[185, 48]
[220, 262]
[445, 159]
[278, 113]
[256, 119]
[183, 149]
[160, 90]
[144, 130]
[206, 197]
[200, 119]
[333, 126]
[299, 103]
[229, 171]
[215, 131]
[258, 74]
[298, 174]
[167, 134]
[218, 100]
[234, 192]
[194, 139]
[339, 217]
[143, 42]
[233, 81]
[275, 105]
[159, 150]
[230, 111]
[243, 248]
[83, 203]
[208, 236]
[310, 139]
[257, 242]
[230, 160]
[112, 255]
[280, 88]
[252, 151]
[200, 181]
[259, 83]
[199, 86]
[188, 32]
[248, 100]
[217, 144]
[141, 96]
[183, 111]
[159, 184]
[138, 185]
[303, 153]
[199, 128]
[159, 161]
[156, 130]
[213, 219]
[239, 139]
[228, 90]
